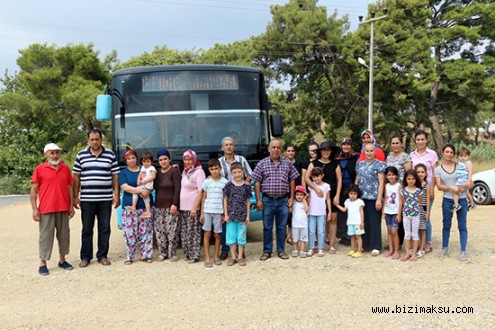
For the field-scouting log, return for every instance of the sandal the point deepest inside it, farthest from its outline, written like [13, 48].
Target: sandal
[192, 261]
[128, 262]
[217, 262]
[428, 248]
[231, 262]
[242, 262]
[173, 259]
[265, 256]
[148, 260]
[160, 258]
[208, 264]
[332, 250]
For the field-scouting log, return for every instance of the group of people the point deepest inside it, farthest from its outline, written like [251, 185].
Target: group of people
[336, 194]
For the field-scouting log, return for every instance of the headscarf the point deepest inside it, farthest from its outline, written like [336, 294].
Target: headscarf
[129, 152]
[373, 140]
[162, 152]
[196, 164]
[346, 155]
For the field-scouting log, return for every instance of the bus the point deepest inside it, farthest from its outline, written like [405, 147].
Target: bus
[182, 107]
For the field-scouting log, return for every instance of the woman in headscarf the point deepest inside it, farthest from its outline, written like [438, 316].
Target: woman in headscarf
[190, 199]
[368, 137]
[347, 159]
[136, 230]
[167, 188]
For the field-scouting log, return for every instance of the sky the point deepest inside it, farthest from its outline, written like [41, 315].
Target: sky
[133, 27]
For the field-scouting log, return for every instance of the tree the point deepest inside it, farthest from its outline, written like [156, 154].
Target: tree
[433, 65]
[302, 47]
[51, 99]
[162, 55]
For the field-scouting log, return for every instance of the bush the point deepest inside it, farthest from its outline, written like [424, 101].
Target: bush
[482, 152]
[14, 185]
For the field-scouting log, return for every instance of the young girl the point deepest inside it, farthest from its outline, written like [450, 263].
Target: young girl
[425, 206]
[354, 206]
[300, 210]
[318, 211]
[390, 211]
[409, 211]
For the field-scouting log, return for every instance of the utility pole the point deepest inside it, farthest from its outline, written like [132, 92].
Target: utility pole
[371, 21]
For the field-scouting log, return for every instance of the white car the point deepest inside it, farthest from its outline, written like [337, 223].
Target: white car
[484, 187]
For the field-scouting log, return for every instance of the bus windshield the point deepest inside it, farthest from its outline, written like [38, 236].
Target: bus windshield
[190, 109]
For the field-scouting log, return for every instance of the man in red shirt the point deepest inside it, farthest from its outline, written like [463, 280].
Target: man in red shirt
[53, 182]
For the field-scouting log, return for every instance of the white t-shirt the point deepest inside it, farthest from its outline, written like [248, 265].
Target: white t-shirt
[353, 211]
[299, 216]
[317, 205]
[214, 195]
[392, 198]
[146, 174]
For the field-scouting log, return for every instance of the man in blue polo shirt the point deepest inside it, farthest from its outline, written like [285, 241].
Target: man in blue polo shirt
[274, 176]
[96, 178]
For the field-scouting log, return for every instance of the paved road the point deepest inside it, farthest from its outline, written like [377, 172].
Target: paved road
[8, 200]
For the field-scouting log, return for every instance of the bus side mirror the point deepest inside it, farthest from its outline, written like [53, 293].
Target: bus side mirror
[103, 107]
[276, 125]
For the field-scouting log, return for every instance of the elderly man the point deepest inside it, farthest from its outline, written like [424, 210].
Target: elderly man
[228, 148]
[274, 176]
[96, 177]
[52, 181]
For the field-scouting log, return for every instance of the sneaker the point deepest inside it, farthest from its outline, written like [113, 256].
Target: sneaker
[358, 255]
[302, 254]
[456, 208]
[321, 253]
[351, 253]
[43, 270]
[443, 254]
[310, 253]
[65, 265]
[375, 253]
[295, 253]
[472, 206]
[463, 256]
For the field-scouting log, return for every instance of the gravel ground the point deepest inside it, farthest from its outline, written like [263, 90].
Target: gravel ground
[335, 290]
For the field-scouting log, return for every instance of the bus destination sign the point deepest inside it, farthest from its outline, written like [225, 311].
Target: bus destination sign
[190, 81]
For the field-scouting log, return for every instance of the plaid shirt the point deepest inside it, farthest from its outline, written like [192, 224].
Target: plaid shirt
[275, 179]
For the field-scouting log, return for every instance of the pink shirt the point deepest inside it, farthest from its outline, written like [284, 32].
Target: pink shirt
[429, 158]
[190, 188]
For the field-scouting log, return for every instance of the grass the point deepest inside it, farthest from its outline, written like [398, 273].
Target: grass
[483, 165]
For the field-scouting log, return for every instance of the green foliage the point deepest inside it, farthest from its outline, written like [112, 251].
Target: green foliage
[51, 99]
[483, 152]
[434, 70]
[162, 56]
[14, 185]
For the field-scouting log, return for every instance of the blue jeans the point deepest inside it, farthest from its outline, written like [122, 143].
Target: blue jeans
[428, 225]
[102, 211]
[275, 211]
[447, 205]
[316, 221]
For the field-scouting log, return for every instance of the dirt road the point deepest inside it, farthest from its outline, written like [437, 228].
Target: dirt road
[335, 290]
